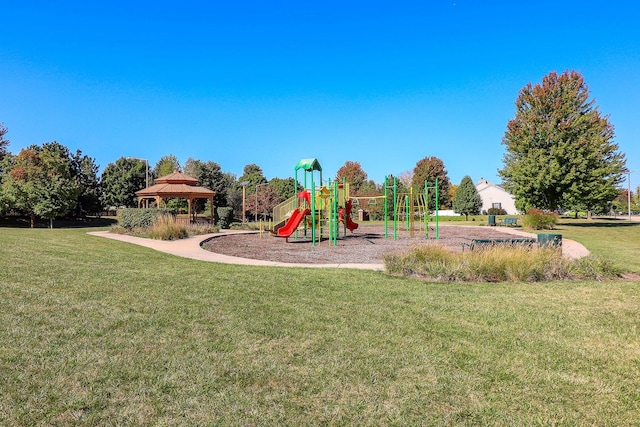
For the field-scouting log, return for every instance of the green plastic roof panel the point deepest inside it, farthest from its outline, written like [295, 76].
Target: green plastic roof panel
[309, 165]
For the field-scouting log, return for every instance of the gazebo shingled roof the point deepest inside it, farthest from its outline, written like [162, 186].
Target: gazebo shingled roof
[176, 185]
[177, 177]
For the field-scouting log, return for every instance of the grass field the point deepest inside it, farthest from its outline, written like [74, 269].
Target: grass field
[618, 240]
[99, 332]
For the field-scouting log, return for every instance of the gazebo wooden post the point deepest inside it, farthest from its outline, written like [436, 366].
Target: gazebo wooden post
[211, 205]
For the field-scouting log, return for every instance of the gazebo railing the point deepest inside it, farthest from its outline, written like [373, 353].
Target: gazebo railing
[183, 220]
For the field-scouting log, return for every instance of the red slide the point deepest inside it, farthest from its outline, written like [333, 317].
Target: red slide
[293, 222]
[350, 224]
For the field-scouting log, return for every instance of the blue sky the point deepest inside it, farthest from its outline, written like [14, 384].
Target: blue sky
[381, 83]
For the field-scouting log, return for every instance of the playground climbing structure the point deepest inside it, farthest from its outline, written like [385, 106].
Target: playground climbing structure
[318, 211]
[324, 212]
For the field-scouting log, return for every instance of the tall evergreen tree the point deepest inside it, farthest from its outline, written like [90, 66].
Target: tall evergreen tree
[85, 172]
[166, 165]
[428, 170]
[559, 148]
[467, 201]
[253, 175]
[5, 163]
[4, 143]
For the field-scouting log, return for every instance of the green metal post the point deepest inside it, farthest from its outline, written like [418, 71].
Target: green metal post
[437, 209]
[313, 211]
[336, 223]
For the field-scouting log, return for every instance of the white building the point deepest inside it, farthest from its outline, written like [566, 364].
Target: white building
[494, 196]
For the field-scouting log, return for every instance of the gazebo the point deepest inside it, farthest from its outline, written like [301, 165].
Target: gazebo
[176, 185]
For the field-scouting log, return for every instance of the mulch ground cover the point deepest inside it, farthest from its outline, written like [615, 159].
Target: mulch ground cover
[366, 245]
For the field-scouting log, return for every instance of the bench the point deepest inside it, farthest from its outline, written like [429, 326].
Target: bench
[487, 243]
[509, 222]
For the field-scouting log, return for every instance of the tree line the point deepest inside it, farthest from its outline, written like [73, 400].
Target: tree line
[48, 181]
[559, 154]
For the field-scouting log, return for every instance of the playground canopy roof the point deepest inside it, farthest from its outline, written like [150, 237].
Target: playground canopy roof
[309, 165]
[176, 185]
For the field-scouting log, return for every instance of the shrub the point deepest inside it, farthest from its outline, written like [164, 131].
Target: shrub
[595, 268]
[496, 264]
[197, 229]
[225, 216]
[140, 218]
[540, 220]
[247, 226]
[433, 261]
[496, 211]
[166, 227]
[118, 229]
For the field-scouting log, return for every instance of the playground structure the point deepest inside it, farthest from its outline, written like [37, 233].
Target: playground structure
[412, 209]
[320, 210]
[325, 211]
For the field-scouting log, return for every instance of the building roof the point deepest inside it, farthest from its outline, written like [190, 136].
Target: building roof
[483, 184]
[177, 177]
[176, 185]
[175, 190]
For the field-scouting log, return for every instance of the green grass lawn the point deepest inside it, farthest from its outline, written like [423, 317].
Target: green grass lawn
[616, 239]
[100, 332]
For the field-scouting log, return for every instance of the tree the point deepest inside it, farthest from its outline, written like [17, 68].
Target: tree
[402, 185]
[166, 165]
[467, 201]
[252, 174]
[5, 162]
[121, 180]
[354, 174]
[85, 171]
[234, 201]
[620, 203]
[559, 148]
[4, 143]
[374, 206]
[284, 188]
[209, 175]
[452, 192]
[40, 182]
[264, 201]
[406, 178]
[428, 170]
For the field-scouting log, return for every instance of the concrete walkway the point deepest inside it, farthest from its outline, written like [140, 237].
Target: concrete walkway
[190, 248]
[570, 248]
